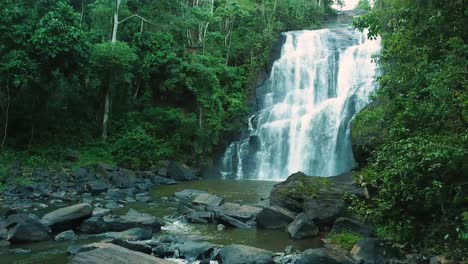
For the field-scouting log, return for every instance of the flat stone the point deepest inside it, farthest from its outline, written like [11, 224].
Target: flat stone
[231, 221]
[208, 200]
[240, 254]
[131, 234]
[240, 212]
[112, 254]
[188, 194]
[135, 246]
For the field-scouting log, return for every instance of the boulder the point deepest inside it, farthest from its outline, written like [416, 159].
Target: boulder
[22, 228]
[93, 225]
[188, 194]
[243, 213]
[323, 255]
[193, 250]
[112, 254]
[131, 234]
[322, 198]
[179, 172]
[374, 251]
[122, 179]
[65, 236]
[208, 200]
[231, 221]
[302, 227]
[274, 217]
[96, 187]
[135, 246]
[162, 172]
[132, 219]
[346, 224]
[240, 254]
[68, 217]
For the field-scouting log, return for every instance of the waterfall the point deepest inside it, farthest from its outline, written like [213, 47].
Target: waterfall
[316, 87]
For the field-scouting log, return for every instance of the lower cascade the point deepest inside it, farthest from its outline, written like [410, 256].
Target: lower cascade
[322, 79]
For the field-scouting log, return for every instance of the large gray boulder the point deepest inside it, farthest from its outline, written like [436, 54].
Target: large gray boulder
[112, 254]
[22, 228]
[179, 172]
[240, 254]
[322, 198]
[302, 227]
[122, 179]
[323, 255]
[274, 217]
[243, 213]
[68, 217]
[374, 251]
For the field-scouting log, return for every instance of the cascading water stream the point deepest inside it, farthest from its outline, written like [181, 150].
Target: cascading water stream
[319, 83]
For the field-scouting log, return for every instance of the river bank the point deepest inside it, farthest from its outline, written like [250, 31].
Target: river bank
[187, 221]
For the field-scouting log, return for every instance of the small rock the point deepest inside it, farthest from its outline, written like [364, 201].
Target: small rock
[323, 255]
[20, 251]
[133, 246]
[96, 187]
[221, 227]
[231, 221]
[4, 243]
[240, 254]
[65, 236]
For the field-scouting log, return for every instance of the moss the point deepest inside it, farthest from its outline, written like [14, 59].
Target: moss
[302, 188]
[344, 239]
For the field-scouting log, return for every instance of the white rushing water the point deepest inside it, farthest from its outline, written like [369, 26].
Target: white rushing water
[319, 83]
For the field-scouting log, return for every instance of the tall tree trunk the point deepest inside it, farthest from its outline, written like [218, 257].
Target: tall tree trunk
[116, 21]
[105, 118]
[7, 115]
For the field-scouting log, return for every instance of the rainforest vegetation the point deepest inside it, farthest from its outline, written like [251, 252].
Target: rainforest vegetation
[132, 82]
[415, 155]
[108, 77]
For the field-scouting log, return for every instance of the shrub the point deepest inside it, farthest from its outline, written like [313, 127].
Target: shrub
[345, 239]
[136, 149]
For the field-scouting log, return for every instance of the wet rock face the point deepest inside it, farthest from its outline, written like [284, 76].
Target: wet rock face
[346, 224]
[22, 229]
[240, 254]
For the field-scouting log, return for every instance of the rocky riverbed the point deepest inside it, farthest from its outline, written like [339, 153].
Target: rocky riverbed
[169, 215]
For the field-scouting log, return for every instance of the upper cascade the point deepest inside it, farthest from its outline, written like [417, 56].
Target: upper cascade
[322, 79]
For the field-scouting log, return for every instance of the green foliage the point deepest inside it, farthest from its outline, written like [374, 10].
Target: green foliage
[363, 5]
[136, 150]
[344, 239]
[418, 165]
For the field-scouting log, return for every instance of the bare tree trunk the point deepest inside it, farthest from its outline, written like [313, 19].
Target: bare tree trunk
[116, 21]
[105, 118]
[7, 115]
